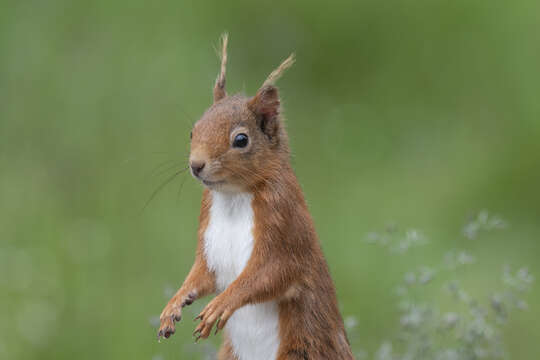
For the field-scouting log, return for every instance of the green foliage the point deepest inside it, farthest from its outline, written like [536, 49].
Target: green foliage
[469, 327]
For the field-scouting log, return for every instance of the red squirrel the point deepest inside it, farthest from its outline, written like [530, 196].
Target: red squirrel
[257, 246]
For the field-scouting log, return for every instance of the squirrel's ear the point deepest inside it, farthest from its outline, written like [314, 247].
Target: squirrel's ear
[219, 87]
[265, 102]
[265, 105]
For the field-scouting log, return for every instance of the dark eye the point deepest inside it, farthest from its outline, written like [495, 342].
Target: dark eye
[191, 135]
[240, 141]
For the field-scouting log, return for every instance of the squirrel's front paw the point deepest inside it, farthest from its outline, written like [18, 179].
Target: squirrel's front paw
[218, 309]
[171, 313]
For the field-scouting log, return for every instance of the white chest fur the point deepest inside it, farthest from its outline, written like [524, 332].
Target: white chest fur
[228, 242]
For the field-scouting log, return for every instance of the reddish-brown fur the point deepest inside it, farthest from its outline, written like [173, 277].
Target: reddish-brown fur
[286, 264]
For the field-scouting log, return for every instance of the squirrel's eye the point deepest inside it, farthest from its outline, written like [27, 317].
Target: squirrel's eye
[240, 141]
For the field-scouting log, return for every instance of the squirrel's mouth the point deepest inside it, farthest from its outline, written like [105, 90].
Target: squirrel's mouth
[212, 183]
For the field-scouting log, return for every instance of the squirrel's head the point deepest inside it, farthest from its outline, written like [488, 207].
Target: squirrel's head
[240, 141]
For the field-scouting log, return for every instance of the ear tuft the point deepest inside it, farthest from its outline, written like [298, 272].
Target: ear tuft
[277, 73]
[219, 87]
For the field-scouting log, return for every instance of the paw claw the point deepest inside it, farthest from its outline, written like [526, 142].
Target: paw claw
[217, 310]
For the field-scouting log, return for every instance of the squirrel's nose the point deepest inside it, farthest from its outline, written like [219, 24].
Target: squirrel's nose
[197, 166]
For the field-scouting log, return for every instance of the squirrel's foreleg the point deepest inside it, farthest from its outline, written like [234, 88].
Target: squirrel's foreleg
[199, 283]
[257, 283]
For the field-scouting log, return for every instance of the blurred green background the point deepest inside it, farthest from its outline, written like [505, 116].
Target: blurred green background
[418, 113]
